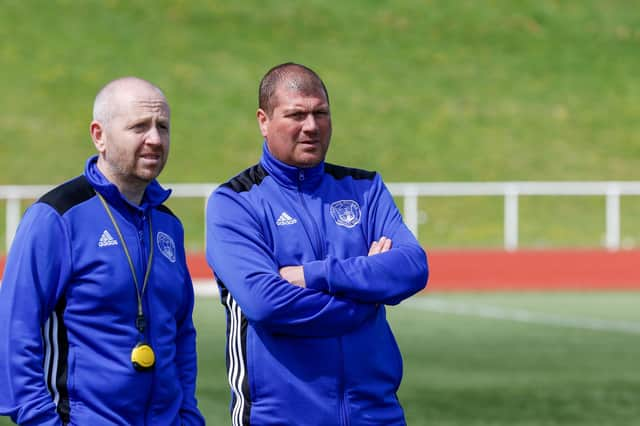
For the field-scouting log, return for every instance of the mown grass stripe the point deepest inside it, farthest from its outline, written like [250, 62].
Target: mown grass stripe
[521, 315]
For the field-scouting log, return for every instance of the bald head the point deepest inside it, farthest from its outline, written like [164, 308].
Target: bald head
[131, 132]
[115, 94]
[294, 77]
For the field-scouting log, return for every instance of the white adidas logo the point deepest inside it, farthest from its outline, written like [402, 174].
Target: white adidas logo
[285, 219]
[107, 240]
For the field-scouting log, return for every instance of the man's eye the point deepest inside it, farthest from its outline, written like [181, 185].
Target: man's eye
[297, 115]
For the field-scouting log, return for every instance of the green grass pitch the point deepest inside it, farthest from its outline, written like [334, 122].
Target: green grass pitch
[481, 359]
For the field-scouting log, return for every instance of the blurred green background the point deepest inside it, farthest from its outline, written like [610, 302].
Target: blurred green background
[420, 91]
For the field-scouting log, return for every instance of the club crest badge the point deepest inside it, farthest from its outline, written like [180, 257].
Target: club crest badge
[167, 246]
[346, 213]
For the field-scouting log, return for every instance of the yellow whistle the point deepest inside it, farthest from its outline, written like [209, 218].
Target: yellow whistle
[142, 357]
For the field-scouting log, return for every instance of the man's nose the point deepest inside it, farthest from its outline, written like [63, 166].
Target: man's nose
[153, 136]
[310, 124]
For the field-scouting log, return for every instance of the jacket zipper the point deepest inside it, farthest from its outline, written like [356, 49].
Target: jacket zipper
[344, 417]
[146, 306]
[319, 245]
[144, 256]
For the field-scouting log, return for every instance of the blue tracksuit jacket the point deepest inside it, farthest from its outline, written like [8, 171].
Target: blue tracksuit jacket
[324, 354]
[68, 307]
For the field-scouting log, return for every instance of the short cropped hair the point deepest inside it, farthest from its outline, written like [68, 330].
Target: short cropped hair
[296, 76]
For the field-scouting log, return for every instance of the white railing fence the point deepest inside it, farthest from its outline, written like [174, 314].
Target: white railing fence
[409, 193]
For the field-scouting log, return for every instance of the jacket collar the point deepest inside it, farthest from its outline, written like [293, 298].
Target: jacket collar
[290, 176]
[153, 196]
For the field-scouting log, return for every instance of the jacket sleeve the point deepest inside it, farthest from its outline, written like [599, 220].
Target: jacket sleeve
[186, 354]
[36, 270]
[245, 265]
[386, 278]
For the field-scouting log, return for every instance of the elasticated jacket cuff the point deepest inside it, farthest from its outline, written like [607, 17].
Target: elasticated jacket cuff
[315, 276]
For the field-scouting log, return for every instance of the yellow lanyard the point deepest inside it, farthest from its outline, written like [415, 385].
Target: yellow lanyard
[140, 321]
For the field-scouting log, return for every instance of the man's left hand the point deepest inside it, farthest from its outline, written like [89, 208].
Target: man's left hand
[293, 274]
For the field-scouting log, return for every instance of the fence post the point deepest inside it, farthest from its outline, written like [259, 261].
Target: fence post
[206, 199]
[12, 220]
[511, 218]
[411, 209]
[613, 218]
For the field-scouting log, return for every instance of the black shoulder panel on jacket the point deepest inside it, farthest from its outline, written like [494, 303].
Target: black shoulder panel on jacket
[340, 172]
[245, 180]
[165, 209]
[68, 194]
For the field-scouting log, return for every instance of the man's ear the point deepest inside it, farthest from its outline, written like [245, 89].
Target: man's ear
[97, 135]
[263, 122]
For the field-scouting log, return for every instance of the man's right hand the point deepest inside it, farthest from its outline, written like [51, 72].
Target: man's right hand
[380, 246]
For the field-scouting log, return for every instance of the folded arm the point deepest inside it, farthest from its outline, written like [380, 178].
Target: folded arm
[389, 276]
[242, 260]
[295, 274]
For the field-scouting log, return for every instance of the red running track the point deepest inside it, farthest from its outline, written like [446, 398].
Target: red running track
[482, 270]
[486, 270]
[534, 270]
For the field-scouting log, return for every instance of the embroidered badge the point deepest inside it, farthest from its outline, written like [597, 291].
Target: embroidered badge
[167, 246]
[346, 213]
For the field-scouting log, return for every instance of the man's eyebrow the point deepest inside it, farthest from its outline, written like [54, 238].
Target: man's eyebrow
[294, 109]
[138, 120]
[149, 117]
[299, 108]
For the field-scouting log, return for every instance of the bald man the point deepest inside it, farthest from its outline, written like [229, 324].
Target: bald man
[96, 301]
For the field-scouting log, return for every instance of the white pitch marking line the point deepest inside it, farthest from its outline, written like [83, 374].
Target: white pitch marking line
[521, 315]
[205, 288]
